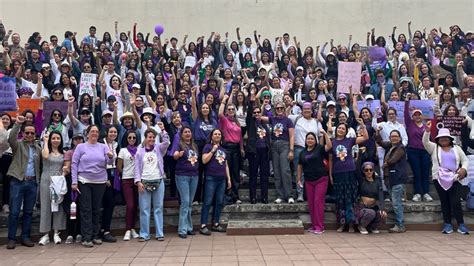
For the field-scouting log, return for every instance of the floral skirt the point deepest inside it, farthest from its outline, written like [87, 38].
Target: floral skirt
[346, 192]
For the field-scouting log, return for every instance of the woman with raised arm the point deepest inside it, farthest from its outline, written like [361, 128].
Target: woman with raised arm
[89, 177]
[52, 214]
[342, 173]
[149, 175]
[449, 168]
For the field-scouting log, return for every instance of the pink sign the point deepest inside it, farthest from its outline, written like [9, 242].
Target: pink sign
[349, 74]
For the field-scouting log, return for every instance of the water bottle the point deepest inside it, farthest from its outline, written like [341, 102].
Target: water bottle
[73, 211]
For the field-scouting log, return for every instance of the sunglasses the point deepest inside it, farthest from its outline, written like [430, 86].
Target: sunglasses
[132, 137]
[280, 108]
[56, 114]
[181, 93]
[29, 133]
[256, 112]
[341, 99]
[58, 93]
[231, 109]
[368, 170]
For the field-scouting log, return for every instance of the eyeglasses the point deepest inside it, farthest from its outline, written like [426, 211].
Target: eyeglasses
[28, 133]
[256, 112]
[131, 137]
[87, 66]
[368, 170]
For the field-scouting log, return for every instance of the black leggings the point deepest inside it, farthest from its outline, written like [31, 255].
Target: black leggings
[233, 159]
[450, 202]
[108, 202]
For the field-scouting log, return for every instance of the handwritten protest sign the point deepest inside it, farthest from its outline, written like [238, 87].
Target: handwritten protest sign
[349, 74]
[49, 107]
[453, 123]
[400, 107]
[85, 84]
[7, 94]
[426, 106]
[373, 105]
[26, 104]
[189, 61]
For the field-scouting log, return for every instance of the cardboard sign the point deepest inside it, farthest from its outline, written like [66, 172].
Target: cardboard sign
[377, 53]
[426, 106]
[453, 123]
[400, 107]
[26, 104]
[189, 61]
[371, 104]
[85, 84]
[8, 94]
[349, 74]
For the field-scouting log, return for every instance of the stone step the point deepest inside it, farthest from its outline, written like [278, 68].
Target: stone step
[265, 227]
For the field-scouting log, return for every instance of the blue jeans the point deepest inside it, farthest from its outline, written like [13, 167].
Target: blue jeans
[146, 199]
[420, 162]
[21, 192]
[397, 194]
[296, 158]
[186, 186]
[215, 189]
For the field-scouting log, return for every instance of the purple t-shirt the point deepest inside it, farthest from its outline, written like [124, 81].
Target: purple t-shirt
[342, 155]
[280, 127]
[188, 164]
[217, 165]
[202, 130]
[262, 135]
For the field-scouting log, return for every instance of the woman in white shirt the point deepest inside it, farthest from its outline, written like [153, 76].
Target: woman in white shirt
[149, 174]
[126, 168]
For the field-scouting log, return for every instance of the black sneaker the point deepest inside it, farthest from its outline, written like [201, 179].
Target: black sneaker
[11, 244]
[183, 236]
[264, 201]
[218, 228]
[204, 231]
[109, 238]
[190, 233]
[253, 201]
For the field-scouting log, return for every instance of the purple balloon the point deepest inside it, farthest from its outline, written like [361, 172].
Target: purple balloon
[159, 29]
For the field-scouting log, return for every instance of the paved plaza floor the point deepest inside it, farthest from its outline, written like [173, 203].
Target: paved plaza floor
[413, 248]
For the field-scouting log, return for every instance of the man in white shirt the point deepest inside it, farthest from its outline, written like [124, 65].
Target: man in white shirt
[247, 48]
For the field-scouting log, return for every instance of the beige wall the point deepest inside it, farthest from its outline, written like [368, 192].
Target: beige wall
[313, 22]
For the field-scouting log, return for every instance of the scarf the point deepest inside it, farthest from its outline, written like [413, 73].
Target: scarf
[149, 149]
[59, 127]
[132, 149]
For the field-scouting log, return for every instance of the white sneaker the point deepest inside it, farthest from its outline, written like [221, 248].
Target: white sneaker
[69, 240]
[126, 237]
[6, 209]
[416, 198]
[135, 235]
[291, 200]
[278, 201]
[238, 201]
[195, 203]
[78, 239]
[427, 197]
[44, 240]
[362, 230]
[375, 231]
[300, 198]
[57, 239]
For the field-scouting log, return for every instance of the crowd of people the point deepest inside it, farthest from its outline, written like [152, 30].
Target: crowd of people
[196, 113]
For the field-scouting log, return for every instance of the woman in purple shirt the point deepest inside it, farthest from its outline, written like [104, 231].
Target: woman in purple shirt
[204, 123]
[89, 175]
[418, 157]
[342, 173]
[217, 173]
[185, 152]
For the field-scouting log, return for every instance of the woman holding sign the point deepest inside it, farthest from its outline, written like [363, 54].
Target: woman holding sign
[417, 156]
[449, 168]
